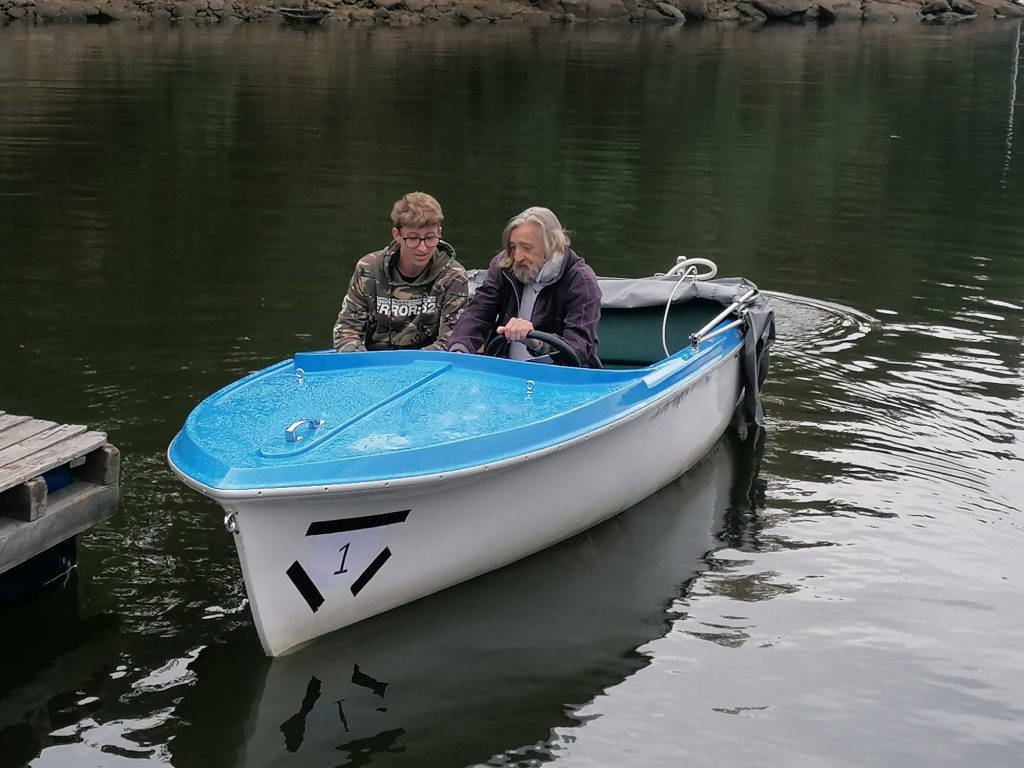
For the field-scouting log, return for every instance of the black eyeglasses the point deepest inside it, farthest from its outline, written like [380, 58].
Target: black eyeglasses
[413, 241]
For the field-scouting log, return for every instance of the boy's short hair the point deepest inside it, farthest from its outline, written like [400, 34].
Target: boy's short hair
[417, 209]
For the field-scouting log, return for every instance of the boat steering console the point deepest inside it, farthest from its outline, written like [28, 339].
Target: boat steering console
[499, 344]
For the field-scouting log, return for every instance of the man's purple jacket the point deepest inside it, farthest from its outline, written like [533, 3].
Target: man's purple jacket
[569, 307]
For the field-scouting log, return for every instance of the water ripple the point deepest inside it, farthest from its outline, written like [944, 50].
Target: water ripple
[897, 402]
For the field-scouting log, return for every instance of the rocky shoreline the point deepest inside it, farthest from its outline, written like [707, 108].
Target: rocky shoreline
[402, 13]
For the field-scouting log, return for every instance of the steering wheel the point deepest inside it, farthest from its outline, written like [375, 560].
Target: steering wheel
[495, 345]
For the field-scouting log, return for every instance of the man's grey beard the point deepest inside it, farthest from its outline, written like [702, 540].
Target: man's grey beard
[526, 272]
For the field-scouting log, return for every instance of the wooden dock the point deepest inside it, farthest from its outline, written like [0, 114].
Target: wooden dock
[56, 481]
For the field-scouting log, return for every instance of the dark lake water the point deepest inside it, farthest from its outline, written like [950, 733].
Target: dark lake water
[179, 207]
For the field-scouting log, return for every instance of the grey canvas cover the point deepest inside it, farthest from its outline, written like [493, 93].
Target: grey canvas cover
[759, 326]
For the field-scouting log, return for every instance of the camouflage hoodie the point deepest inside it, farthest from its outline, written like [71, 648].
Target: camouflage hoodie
[383, 311]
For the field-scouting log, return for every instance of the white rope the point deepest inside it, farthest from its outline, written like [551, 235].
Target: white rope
[685, 268]
[668, 306]
[684, 265]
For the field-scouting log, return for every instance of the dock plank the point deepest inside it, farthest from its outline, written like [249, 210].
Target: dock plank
[38, 442]
[23, 431]
[8, 420]
[102, 466]
[25, 502]
[47, 450]
[72, 511]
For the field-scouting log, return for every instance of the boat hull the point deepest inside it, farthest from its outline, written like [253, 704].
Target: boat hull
[317, 559]
[508, 656]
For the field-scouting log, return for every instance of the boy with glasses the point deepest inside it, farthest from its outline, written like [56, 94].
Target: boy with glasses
[409, 294]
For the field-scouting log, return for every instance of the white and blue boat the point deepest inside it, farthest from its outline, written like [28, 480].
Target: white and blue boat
[355, 483]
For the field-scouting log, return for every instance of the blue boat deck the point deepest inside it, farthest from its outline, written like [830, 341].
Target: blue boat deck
[401, 414]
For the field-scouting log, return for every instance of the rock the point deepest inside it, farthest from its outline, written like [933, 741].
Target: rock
[748, 13]
[45, 10]
[533, 16]
[693, 9]
[780, 9]
[106, 14]
[949, 17]
[826, 13]
[875, 12]
[402, 19]
[845, 10]
[469, 14]
[186, 10]
[56, 13]
[894, 9]
[606, 9]
[410, 12]
[669, 11]
[116, 10]
[492, 10]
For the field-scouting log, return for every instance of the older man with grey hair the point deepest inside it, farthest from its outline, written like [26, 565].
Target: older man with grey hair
[537, 282]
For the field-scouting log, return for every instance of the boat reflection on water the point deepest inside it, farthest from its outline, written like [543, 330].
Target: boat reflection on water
[489, 666]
